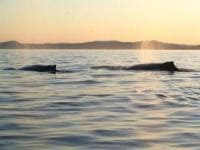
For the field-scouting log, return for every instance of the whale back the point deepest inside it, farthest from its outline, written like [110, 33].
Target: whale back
[169, 66]
[40, 68]
[166, 66]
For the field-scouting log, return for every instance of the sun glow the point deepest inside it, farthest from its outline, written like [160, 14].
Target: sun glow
[79, 21]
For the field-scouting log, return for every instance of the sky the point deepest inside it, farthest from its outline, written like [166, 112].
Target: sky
[39, 21]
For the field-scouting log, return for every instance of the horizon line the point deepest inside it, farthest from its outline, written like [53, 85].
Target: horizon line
[138, 41]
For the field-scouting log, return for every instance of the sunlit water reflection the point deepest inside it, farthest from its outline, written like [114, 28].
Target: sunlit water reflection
[99, 109]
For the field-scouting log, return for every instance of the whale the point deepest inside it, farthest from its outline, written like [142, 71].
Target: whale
[166, 66]
[37, 68]
[42, 68]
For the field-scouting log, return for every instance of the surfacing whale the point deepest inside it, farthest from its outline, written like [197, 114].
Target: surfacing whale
[166, 66]
[37, 68]
[42, 68]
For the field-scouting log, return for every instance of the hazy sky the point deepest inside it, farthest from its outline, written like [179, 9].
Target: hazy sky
[86, 20]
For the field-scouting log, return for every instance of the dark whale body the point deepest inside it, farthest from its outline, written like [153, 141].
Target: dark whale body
[38, 68]
[42, 68]
[166, 66]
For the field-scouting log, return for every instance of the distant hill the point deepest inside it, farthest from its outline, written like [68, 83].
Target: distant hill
[98, 45]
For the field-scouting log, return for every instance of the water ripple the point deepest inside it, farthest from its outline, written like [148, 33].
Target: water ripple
[98, 109]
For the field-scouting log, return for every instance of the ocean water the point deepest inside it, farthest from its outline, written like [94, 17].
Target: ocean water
[99, 109]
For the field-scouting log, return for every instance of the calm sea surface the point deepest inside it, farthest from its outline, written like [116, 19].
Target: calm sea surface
[99, 109]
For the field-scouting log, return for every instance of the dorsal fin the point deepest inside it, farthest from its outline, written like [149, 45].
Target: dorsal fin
[170, 66]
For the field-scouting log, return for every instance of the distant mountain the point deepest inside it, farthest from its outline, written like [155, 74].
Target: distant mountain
[98, 45]
[10, 45]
